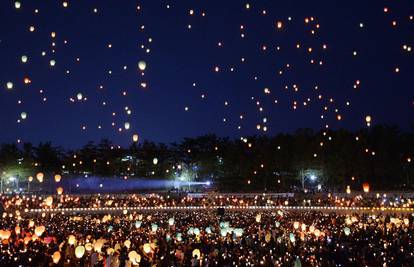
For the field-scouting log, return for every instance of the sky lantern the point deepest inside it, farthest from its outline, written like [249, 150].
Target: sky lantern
[127, 125]
[134, 257]
[97, 246]
[9, 85]
[348, 189]
[155, 161]
[39, 231]
[135, 138]
[71, 240]
[59, 190]
[58, 177]
[23, 115]
[40, 176]
[171, 221]
[56, 257]
[30, 178]
[279, 25]
[347, 231]
[365, 187]
[79, 251]
[24, 59]
[147, 248]
[127, 243]
[5, 234]
[52, 63]
[258, 218]
[142, 65]
[368, 120]
[49, 201]
[17, 5]
[88, 247]
[196, 253]
[296, 225]
[79, 96]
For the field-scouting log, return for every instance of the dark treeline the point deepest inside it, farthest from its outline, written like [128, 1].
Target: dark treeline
[380, 155]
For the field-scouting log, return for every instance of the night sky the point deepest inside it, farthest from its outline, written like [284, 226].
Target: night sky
[233, 68]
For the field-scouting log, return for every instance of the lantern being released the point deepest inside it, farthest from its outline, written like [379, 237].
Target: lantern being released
[58, 177]
[40, 177]
[59, 190]
[196, 253]
[79, 251]
[56, 257]
[147, 248]
[135, 138]
[365, 187]
[142, 65]
[39, 230]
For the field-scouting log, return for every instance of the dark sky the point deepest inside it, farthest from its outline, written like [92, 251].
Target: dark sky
[119, 33]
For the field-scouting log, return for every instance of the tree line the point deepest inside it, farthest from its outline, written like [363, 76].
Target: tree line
[381, 156]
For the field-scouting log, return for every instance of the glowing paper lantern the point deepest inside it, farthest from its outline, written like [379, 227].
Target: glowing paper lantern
[155, 161]
[317, 232]
[348, 189]
[258, 218]
[154, 227]
[5, 234]
[147, 248]
[134, 257]
[59, 190]
[127, 243]
[24, 59]
[88, 247]
[238, 232]
[365, 187]
[39, 231]
[347, 231]
[196, 253]
[23, 115]
[171, 221]
[52, 62]
[142, 65]
[79, 251]
[40, 176]
[58, 177]
[17, 4]
[292, 237]
[71, 240]
[30, 178]
[17, 230]
[296, 225]
[56, 257]
[9, 85]
[368, 119]
[138, 224]
[97, 246]
[49, 201]
[196, 231]
[127, 125]
[79, 96]
[135, 138]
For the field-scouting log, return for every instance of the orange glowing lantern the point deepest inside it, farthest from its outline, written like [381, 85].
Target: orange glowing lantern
[365, 187]
[58, 177]
[59, 190]
[40, 176]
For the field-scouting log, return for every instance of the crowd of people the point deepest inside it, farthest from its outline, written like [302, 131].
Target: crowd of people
[275, 237]
[21, 202]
